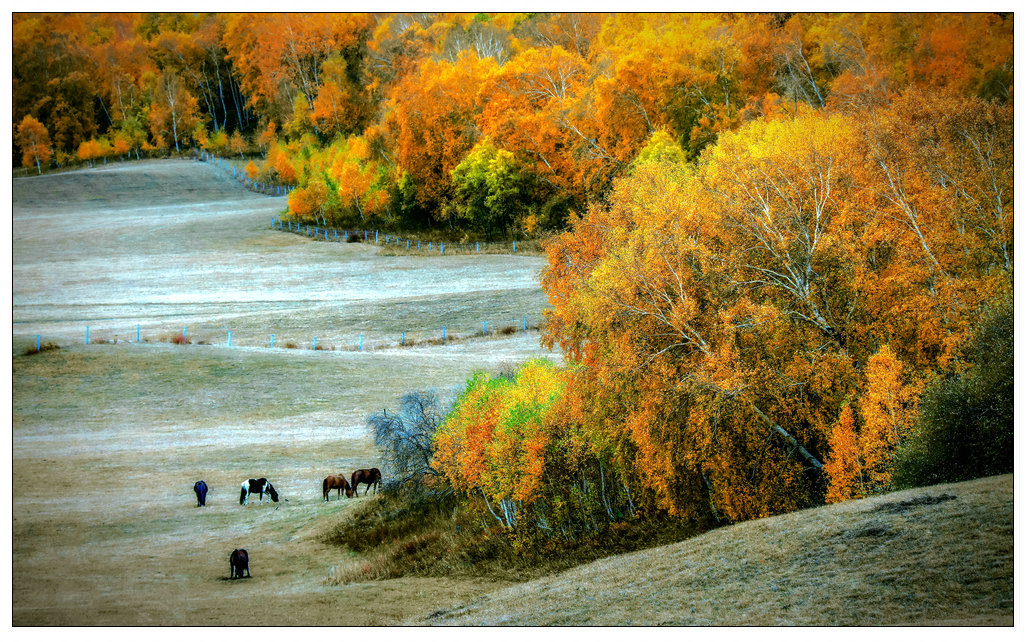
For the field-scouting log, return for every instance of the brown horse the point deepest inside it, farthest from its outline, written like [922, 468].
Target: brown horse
[239, 563]
[366, 476]
[336, 481]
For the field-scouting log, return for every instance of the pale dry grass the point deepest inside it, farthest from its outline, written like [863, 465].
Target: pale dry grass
[109, 439]
[931, 556]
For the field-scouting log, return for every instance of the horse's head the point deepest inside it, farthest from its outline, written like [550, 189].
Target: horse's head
[271, 491]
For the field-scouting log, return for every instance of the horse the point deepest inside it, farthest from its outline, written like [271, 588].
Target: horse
[238, 562]
[200, 488]
[336, 481]
[261, 486]
[366, 476]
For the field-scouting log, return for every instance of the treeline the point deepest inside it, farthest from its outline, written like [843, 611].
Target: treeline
[818, 308]
[494, 124]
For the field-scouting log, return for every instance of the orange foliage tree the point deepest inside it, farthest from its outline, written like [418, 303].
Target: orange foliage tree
[34, 141]
[735, 308]
[432, 114]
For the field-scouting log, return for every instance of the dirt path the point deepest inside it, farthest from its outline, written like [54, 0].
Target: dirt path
[108, 439]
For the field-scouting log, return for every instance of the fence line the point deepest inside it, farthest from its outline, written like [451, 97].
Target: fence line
[267, 189]
[400, 340]
[383, 239]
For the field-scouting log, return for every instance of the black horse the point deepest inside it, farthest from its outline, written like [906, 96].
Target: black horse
[238, 562]
[200, 488]
[367, 476]
[261, 486]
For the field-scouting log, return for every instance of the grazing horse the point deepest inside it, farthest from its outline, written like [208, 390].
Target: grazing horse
[336, 481]
[366, 476]
[238, 562]
[200, 488]
[261, 486]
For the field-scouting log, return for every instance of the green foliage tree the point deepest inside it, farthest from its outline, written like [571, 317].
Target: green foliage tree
[965, 426]
[491, 189]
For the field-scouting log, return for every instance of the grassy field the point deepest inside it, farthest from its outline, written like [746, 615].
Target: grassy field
[108, 438]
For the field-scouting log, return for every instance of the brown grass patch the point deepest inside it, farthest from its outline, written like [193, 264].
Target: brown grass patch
[47, 346]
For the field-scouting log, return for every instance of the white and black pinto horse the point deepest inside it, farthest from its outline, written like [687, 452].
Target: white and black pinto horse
[261, 486]
[200, 488]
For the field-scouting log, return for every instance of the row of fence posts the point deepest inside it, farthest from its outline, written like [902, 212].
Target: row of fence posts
[263, 188]
[305, 228]
[360, 340]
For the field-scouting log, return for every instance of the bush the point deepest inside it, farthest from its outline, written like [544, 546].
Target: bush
[44, 347]
[406, 438]
[965, 426]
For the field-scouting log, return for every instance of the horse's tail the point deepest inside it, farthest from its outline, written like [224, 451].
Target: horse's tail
[242, 494]
[324, 488]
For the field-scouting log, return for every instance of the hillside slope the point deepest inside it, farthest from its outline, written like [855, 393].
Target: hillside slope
[929, 556]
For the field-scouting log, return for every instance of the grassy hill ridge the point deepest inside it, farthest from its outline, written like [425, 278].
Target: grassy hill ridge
[941, 555]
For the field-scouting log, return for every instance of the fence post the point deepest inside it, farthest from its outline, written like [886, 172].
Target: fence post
[376, 237]
[443, 334]
[272, 341]
[315, 344]
[184, 335]
[87, 335]
[442, 247]
[37, 343]
[229, 338]
[360, 347]
[137, 333]
[476, 248]
[402, 340]
[515, 246]
[408, 244]
[525, 324]
[484, 328]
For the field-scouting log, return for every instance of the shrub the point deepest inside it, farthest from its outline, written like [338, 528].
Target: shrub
[965, 426]
[43, 347]
[406, 438]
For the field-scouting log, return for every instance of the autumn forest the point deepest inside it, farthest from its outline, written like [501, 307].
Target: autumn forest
[779, 247]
